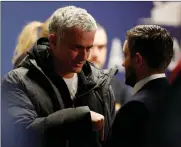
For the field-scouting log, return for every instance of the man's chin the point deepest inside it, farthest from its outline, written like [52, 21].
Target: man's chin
[77, 69]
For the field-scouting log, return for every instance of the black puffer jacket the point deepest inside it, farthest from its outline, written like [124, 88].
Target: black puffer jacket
[39, 110]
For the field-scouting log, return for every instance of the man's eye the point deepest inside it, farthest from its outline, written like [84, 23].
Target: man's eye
[74, 49]
[101, 47]
[88, 49]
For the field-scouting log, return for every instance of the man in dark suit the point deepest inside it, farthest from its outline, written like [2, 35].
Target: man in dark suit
[148, 50]
[165, 128]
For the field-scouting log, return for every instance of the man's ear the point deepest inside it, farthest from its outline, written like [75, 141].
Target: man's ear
[139, 60]
[52, 40]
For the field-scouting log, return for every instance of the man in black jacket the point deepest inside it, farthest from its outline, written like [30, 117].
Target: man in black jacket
[148, 50]
[55, 98]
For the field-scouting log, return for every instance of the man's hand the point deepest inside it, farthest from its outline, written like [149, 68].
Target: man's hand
[98, 123]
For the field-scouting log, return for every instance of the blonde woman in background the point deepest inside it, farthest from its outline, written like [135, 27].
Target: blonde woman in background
[28, 36]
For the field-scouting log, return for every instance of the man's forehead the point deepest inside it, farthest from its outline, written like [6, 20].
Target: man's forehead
[100, 37]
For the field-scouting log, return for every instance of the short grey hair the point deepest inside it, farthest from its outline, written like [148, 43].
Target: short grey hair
[70, 16]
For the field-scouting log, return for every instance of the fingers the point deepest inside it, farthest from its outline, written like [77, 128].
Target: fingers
[101, 129]
[98, 123]
[102, 133]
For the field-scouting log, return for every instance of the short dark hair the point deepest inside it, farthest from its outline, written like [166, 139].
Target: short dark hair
[154, 44]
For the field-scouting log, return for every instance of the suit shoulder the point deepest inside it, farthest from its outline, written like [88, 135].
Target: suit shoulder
[133, 109]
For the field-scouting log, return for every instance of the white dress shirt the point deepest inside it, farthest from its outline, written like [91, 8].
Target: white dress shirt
[144, 81]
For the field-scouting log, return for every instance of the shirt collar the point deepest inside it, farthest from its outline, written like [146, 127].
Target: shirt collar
[144, 81]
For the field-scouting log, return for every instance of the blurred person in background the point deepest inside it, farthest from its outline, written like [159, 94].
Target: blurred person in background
[55, 97]
[148, 51]
[98, 56]
[175, 71]
[28, 36]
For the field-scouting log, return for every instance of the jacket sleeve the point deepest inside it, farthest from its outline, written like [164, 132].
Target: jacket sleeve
[25, 121]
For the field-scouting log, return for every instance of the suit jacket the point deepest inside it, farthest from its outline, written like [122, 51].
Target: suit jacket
[165, 128]
[131, 124]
